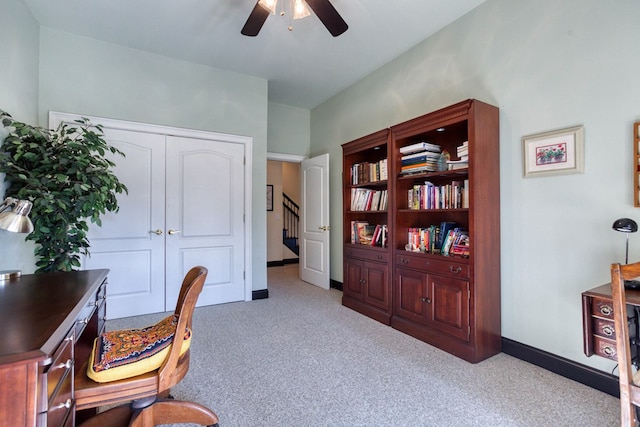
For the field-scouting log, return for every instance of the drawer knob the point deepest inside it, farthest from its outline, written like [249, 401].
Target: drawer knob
[66, 405]
[84, 321]
[458, 269]
[607, 310]
[68, 364]
[608, 330]
[404, 261]
[427, 300]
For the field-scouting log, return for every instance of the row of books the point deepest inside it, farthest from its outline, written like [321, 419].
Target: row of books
[446, 239]
[363, 233]
[420, 157]
[366, 172]
[448, 196]
[364, 199]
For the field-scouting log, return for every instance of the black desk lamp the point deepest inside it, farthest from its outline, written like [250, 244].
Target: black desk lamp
[627, 225]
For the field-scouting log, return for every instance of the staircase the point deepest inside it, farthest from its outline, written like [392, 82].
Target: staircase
[291, 219]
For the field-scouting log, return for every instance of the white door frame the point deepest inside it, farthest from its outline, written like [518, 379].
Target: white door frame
[292, 158]
[57, 117]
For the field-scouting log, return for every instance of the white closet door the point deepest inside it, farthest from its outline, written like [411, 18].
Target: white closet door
[205, 217]
[126, 243]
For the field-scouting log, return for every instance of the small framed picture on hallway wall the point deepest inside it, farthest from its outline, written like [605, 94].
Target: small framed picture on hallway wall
[269, 197]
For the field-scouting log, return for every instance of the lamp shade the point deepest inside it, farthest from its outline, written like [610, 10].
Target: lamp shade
[17, 220]
[625, 225]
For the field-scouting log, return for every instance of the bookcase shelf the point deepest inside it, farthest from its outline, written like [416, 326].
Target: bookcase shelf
[452, 302]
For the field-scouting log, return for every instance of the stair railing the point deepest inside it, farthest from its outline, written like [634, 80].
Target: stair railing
[291, 219]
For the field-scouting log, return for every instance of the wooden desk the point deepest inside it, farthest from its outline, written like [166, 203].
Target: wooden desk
[597, 322]
[48, 325]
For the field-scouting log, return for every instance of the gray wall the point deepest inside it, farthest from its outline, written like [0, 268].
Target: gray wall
[84, 76]
[289, 129]
[19, 33]
[546, 65]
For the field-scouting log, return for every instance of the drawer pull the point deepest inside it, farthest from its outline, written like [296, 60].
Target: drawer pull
[84, 321]
[380, 257]
[68, 364]
[427, 300]
[404, 261]
[607, 310]
[458, 269]
[65, 405]
[608, 330]
[608, 350]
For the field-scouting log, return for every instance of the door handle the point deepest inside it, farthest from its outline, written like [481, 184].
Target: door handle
[157, 232]
[172, 232]
[324, 228]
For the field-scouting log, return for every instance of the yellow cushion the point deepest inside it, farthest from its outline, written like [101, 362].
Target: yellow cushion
[131, 352]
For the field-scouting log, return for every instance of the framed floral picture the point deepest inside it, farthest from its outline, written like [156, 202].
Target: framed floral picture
[555, 152]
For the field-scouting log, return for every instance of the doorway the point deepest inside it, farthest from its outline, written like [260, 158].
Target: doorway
[312, 231]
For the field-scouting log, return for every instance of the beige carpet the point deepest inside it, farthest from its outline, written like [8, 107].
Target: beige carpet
[299, 358]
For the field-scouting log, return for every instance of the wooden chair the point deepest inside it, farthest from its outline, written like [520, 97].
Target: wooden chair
[151, 403]
[629, 382]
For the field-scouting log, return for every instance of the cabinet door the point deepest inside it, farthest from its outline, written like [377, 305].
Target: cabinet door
[449, 306]
[410, 299]
[353, 278]
[376, 285]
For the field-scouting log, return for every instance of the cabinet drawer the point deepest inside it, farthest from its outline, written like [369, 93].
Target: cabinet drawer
[604, 328]
[447, 267]
[602, 308]
[369, 254]
[605, 347]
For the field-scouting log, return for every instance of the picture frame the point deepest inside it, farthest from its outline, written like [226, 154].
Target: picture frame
[269, 197]
[557, 152]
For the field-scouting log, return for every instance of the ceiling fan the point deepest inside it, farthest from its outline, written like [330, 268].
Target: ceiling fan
[325, 11]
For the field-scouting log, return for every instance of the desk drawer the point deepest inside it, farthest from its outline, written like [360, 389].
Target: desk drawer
[52, 376]
[602, 308]
[605, 347]
[604, 328]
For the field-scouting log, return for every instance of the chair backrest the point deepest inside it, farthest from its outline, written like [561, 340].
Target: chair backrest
[192, 285]
[629, 393]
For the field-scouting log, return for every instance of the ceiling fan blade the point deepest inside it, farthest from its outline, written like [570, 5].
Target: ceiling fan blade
[255, 21]
[329, 16]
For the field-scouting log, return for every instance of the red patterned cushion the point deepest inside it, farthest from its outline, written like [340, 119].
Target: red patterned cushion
[115, 349]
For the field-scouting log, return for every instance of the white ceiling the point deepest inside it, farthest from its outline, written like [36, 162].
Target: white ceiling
[304, 67]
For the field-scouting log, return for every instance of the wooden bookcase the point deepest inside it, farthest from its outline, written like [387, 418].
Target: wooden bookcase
[451, 302]
[636, 164]
[366, 286]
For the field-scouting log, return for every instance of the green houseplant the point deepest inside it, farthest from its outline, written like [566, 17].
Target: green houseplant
[68, 177]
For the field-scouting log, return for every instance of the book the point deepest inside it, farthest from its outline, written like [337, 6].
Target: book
[421, 154]
[365, 234]
[420, 146]
[357, 230]
[445, 227]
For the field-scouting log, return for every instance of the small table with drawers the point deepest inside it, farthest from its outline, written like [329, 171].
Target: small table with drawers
[48, 323]
[597, 322]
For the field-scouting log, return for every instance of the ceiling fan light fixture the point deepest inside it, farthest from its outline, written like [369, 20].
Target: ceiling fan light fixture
[300, 9]
[269, 5]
